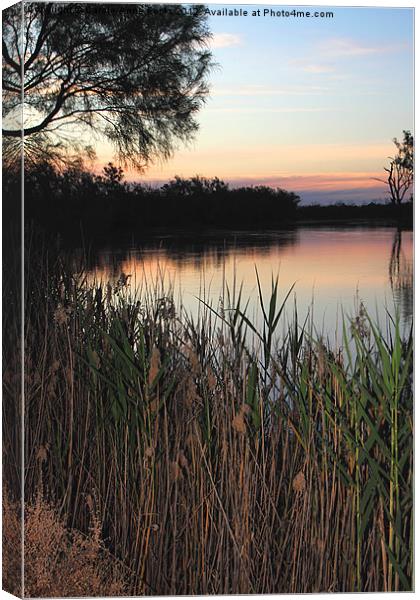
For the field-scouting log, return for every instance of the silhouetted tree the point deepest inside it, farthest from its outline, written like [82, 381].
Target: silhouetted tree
[400, 170]
[194, 186]
[135, 74]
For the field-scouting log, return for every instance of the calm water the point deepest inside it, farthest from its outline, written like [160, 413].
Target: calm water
[333, 268]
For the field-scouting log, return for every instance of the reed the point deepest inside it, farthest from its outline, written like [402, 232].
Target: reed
[219, 458]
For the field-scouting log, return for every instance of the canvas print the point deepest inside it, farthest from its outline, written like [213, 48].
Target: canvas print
[207, 299]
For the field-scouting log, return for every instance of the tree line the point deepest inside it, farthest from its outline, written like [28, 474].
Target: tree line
[76, 199]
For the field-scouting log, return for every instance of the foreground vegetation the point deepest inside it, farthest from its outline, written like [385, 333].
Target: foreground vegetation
[204, 456]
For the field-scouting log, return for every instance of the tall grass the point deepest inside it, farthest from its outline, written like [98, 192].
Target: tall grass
[215, 465]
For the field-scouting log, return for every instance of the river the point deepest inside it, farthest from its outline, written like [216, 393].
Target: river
[333, 269]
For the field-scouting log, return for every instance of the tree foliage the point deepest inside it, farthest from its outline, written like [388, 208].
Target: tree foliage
[194, 186]
[135, 74]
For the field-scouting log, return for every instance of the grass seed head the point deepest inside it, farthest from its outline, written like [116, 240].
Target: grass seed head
[299, 483]
[239, 423]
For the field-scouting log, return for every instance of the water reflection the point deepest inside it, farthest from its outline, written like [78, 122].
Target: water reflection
[401, 275]
[333, 268]
[192, 248]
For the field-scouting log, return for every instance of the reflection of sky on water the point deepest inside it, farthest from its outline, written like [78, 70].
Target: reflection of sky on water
[331, 268]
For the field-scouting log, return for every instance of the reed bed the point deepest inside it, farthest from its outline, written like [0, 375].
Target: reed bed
[212, 464]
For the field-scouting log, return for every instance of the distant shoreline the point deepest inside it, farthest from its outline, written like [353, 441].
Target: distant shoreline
[309, 216]
[400, 215]
[195, 235]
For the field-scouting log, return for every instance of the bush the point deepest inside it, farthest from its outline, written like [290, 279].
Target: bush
[58, 561]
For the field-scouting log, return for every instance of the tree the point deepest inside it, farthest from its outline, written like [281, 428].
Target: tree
[401, 169]
[136, 74]
[195, 186]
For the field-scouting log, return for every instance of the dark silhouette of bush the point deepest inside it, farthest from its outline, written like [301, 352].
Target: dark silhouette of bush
[78, 203]
[77, 200]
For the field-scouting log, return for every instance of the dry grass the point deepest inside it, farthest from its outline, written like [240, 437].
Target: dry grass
[58, 560]
[216, 467]
[12, 546]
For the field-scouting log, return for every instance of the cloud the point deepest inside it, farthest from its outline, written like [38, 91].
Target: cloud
[286, 109]
[318, 69]
[325, 182]
[257, 90]
[308, 67]
[225, 40]
[349, 47]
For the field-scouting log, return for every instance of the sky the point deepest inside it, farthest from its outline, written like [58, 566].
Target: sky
[310, 105]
